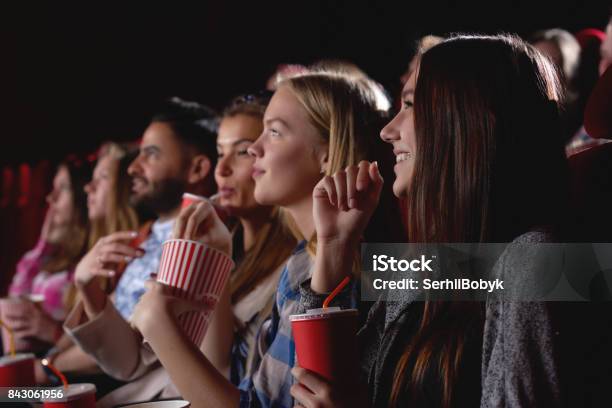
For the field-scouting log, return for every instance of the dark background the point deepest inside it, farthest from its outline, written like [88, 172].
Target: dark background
[72, 76]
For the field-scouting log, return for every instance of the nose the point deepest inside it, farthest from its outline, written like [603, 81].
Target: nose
[390, 133]
[88, 187]
[223, 169]
[50, 197]
[255, 149]
[134, 167]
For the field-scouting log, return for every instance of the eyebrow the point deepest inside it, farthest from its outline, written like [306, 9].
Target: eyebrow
[279, 120]
[150, 149]
[407, 93]
[237, 142]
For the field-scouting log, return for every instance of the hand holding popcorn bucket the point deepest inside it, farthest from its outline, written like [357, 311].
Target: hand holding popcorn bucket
[194, 272]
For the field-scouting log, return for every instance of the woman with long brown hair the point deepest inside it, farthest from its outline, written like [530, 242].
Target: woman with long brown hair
[48, 268]
[261, 241]
[479, 159]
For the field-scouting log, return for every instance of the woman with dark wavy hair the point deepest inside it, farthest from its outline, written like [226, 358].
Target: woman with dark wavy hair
[478, 159]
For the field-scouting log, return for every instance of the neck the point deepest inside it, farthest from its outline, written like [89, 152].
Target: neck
[302, 215]
[169, 214]
[250, 227]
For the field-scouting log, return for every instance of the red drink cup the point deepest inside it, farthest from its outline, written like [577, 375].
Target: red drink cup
[159, 404]
[325, 343]
[75, 396]
[189, 199]
[195, 272]
[17, 370]
[16, 306]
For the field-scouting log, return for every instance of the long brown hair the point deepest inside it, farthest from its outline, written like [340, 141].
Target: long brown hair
[489, 166]
[74, 243]
[273, 241]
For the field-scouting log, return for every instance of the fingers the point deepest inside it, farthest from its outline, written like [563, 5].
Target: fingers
[351, 185]
[200, 217]
[363, 176]
[302, 395]
[310, 380]
[115, 248]
[341, 190]
[347, 188]
[118, 236]
[103, 272]
[376, 178]
[326, 189]
[181, 221]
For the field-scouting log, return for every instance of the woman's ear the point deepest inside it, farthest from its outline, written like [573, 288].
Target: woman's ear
[323, 160]
[200, 167]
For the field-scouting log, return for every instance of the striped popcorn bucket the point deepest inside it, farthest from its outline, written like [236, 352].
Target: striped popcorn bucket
[195, 272]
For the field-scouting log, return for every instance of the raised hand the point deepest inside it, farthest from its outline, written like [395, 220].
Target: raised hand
[104, 258]
[158, 302]
[344, 203]
[200, 222]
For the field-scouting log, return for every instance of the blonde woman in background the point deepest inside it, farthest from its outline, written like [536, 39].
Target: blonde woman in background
[109, 211]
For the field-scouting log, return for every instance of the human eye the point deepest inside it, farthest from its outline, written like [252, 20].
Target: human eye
[407, 104]
[274, 132]
[242, 152]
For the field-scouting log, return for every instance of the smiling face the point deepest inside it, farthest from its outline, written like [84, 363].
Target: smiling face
[234, 170]
[400, 133]
[289, 155]
[99, 189]
[160, 170]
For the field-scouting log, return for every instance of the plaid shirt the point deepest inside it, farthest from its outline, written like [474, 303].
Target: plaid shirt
[131, 285]
[269, 378]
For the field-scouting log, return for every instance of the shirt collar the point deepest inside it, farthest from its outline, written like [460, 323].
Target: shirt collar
[161, 229]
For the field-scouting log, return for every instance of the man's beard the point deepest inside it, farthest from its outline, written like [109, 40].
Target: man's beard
[162, 196]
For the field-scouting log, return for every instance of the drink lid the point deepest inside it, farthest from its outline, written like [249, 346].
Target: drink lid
[8, 360]
[323, 313]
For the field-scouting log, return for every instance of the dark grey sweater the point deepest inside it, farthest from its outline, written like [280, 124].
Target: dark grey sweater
[511, 364]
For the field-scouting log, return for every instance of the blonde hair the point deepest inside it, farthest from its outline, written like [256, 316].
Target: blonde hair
[121, 216]
[344, 112]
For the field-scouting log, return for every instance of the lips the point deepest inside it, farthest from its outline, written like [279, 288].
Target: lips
[138, 184]
[257, 172]
[226, 191]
